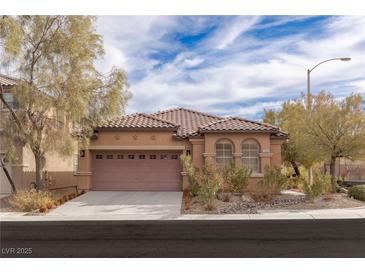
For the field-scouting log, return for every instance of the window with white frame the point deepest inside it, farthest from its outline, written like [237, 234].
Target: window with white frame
[223, 152]
[250, 155]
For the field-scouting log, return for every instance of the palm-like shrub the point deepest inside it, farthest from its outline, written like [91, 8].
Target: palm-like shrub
[190, 170]
[210, 181]
[239, 178]
[235, 178]
[321, 184]
[272, 183]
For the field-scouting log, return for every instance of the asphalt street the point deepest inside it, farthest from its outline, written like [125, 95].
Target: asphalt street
[185, 238]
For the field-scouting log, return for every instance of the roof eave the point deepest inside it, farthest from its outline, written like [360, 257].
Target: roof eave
[136, 129]
[236, 131]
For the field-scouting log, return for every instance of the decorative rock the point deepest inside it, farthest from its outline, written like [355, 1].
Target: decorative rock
[246, 198]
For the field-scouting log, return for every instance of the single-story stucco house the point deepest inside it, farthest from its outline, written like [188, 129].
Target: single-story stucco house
[140, 152]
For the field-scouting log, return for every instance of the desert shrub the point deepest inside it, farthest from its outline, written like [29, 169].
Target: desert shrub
[295, 182]
[210, 181]
[272, 183]
[236, 178]
[357, 192]
[186, 199]
[190, 170]
[274, 179]
[29, 200]
[321, 184]
[239, 179]
[261, 193]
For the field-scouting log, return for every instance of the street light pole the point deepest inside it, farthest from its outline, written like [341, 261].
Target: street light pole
[309, 74]
[310, 170]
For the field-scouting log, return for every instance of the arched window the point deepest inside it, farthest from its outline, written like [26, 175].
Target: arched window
[224, 152]
[250, 155]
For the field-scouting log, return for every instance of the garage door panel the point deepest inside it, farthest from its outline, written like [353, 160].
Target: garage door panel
[118, 171]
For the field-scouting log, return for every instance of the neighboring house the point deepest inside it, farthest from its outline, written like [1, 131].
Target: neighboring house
[140, 152]
[14, 170]
[60, 169]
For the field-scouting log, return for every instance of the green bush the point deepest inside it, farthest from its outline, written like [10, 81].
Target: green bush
[274, 179]
[29, 200]
[210, 181]
[357, 192]
[239, 179]
[190, 170]
[272, 183]
[295, 182]
[321, 184]
[236, 178]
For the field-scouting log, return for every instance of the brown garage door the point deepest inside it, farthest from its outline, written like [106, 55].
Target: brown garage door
[136, 171]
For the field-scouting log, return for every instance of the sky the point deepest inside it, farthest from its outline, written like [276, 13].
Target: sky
[232, 65]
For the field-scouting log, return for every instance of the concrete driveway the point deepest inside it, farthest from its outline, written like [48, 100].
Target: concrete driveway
[122, 205]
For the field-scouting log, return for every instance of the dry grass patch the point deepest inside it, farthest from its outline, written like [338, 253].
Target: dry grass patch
[31, 200]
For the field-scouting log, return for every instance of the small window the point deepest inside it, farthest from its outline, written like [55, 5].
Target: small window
[163, 156]
[99, 156]
[120, 156]
[174, 157]
[142, 156]
[130, 156]
[109, 157]
[152, 157]
[10, 99]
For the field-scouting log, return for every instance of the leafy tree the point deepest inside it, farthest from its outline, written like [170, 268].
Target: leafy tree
[291, 118]
[337, 129]
[59, 87]
[332, 129]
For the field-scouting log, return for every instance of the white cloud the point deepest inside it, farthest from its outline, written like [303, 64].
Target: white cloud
[228, 68]
[230, 31]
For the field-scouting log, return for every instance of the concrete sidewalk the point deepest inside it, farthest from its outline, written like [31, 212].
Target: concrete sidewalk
[345, 213]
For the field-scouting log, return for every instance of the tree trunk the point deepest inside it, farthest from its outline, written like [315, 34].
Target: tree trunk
[38, 170]
[296, 168]
[333, 174]
[310, 176]
[7, 175]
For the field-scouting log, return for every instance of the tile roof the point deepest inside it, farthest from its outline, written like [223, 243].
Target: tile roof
[188, 120]
[237, 124]
[190, 123]
[137, 120]
[7, 81]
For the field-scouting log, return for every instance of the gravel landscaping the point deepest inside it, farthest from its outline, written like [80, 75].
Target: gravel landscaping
[243, 204]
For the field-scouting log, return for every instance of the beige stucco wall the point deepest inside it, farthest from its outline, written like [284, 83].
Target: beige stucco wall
[198, 149]
[54, 161]
[59, 168]
[137, 138]
[275, 149]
